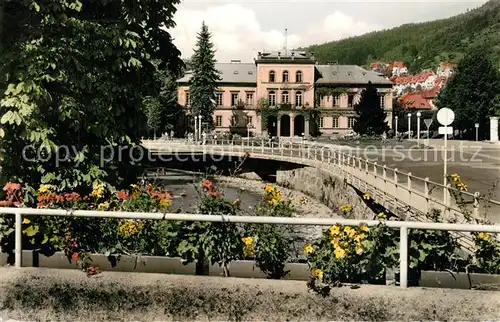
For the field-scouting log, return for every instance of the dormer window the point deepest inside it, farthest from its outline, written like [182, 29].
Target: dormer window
[285, 76]
[250, 72]
[235, 72]
[298, 77]
[272, 77]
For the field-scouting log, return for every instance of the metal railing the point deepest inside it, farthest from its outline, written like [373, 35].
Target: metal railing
[392, 188]
[403, 226]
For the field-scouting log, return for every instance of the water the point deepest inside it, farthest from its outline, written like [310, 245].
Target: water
[187, 191]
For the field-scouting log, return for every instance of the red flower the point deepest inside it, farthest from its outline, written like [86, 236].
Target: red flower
[123, 194]
[11, 186]
[207, 184]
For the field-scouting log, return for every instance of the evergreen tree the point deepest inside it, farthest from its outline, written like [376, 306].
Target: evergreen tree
[203, 84]
[471, 92]
[371, 116]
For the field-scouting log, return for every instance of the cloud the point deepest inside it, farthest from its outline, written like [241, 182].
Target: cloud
[237, 33]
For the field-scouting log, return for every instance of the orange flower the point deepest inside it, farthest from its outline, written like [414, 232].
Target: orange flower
[149, 187]
[75, 257]
[207, 184]
[11, 186]
[122, 195]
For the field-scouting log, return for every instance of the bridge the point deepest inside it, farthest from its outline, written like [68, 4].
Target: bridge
[397, 191]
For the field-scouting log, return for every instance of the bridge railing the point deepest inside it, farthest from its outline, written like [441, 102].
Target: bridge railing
[403, 226]
[398, 186]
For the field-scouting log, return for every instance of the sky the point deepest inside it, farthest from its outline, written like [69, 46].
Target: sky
[240, 29]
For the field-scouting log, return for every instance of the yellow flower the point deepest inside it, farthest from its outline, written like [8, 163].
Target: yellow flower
[164, 203]
[316, 272]
[97, 190]
[26, 221]
[248, 246]
[335, 230]
[339, 252]
[103, 206]
[346, 208]
[366, 196]
[359, 237]
[308, 248]
[483, 236]
[349, 231]
[130, 228]
[381, 216]
[364, 227]
[135, 187]
[45, 188]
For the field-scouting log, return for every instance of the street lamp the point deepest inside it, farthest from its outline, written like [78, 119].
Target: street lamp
[476, 125]
[195, 128]
[409, 125]
[396, 118]
[418, 127]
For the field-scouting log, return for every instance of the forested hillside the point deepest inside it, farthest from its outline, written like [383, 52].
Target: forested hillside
[420, 45]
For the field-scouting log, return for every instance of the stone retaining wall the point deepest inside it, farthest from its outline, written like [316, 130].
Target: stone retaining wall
[322, 186]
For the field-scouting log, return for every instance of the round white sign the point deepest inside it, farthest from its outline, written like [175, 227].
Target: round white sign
[445, 116]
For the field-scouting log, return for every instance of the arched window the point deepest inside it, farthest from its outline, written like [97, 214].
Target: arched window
[285, 76]
[285, 98]
[298, 99]
[271, 97]
[272, 77]
[298, 77]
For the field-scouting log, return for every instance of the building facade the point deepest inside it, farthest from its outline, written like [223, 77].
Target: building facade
[289, 94]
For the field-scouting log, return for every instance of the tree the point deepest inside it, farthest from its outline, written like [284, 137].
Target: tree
[471, 92]
[77, 75]
[203, 84]
[371, 116]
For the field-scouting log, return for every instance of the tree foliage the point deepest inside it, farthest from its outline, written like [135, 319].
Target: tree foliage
[472, 92]
[421, 45]
[371, 115]
[75, 74]
[203, 83]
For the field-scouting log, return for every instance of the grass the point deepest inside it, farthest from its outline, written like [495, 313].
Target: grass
[38, 294]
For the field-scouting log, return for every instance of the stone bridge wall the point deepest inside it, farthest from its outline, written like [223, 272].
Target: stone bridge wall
[326, 188]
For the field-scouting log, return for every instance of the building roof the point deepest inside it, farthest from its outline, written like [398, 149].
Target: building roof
[330, 74]
[416, 101]
[231, 73]
[349, 74]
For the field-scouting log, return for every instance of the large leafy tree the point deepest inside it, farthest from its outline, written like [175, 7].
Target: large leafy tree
[370, 114]
[75, 74]
[203, 83]
[472, 92]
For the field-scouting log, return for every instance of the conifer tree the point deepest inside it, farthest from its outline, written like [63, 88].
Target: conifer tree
[472, 92]
[370, 115]
[203, 83]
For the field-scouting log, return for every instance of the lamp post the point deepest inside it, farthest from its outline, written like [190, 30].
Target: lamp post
[409, 125]
[476, 125]
[195, 128]
[199, 126]
[396, 118]
[418, 127]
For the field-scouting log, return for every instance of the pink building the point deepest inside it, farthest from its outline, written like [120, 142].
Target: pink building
[295, 95]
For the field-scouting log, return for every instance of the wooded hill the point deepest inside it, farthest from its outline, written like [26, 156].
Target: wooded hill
[421, 45]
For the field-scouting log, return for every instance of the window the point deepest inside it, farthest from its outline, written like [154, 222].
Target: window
[188, 101]
[272, 77]
[382, 100]
[336, 101]
[298, 77]
[285, 98]
[249, 121]
[321, 122]
[218, 121]
[272, 98]
[335, 123]
[218, 99]
[350, 100]
[351, 121]
[285, 77]
[298, 99]
[234, 99]
[249, 100]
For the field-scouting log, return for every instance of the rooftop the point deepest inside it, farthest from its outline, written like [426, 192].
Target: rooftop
[231, 73]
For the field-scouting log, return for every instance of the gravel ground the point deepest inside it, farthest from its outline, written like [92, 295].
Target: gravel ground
[68, 295]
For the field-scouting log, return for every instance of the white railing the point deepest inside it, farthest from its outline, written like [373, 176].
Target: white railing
[403, 226]
[391, 188]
